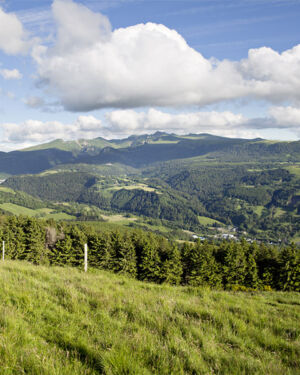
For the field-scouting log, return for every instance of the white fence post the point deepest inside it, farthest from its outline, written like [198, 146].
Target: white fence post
[3, 250]
[85, 257]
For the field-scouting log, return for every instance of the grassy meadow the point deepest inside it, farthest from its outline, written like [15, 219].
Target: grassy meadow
[46, 213]
[63, 321]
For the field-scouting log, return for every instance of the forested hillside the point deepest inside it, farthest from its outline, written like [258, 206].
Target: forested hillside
[201, 183]
[263, 202]
[141, 151]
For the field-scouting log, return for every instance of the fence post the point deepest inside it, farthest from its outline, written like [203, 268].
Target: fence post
[3, 250]
[85, 257]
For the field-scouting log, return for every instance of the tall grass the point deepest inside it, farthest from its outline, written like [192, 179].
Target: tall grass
[63, 321]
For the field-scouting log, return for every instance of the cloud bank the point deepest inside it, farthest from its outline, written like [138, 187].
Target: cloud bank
[122, 123]
[90, 66]
[31, 132]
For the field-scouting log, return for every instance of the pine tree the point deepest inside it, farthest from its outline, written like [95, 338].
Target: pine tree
[148, 259]
[78, 241]
[268, 265]
[204, 268]
[171, 269]
[94, 243]
[234, 265]
[124, 257]
[186, 251]
[34, 234]
[289, 261]
[61, 254]
[251, 275]
[14, 237]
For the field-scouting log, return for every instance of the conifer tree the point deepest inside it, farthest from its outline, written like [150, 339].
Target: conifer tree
[268, 265]
[186, 260]
[94, 243]
[148, 259]
[124, 257]
[78, 241]
[251, 275]
[204, 268]
[61, 254]
[289, 261]
[171, 269]
[34, 234]
[14, 237]
[105, 252]
[234, 265]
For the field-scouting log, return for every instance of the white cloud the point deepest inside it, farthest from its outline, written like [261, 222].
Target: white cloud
[286, 117]
[90, 67]
[34, 102]
[271, 75]
[278, 117]
[123, 123]
[27, 133]
[127, 122]
[10, 74]
[13, 38]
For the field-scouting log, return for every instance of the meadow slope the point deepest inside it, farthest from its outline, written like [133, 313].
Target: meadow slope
[63, 321]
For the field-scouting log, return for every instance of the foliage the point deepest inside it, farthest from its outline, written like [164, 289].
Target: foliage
[150, 257]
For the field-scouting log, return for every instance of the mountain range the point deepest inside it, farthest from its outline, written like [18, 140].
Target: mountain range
[196, 182]
[144, 150]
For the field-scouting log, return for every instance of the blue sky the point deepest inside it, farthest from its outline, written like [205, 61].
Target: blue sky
[82, 69]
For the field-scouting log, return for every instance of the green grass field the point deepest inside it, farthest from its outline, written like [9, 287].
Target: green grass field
[6, 190]
[132, 187]
[118, 219]
[279, 212]
[294, 169]
[62, 321]
[208, 221]
[18, 210]
[258, 209]
[46, 213]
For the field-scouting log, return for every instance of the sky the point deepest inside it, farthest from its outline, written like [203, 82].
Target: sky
[95, 68]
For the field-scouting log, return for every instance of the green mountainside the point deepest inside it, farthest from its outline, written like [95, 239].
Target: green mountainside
[142, 151]
[204, 184]
[215, 217]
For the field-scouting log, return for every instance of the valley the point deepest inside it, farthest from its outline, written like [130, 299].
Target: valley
[208, 185]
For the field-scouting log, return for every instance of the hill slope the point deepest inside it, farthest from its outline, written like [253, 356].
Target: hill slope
[142, 151]
[62, 321]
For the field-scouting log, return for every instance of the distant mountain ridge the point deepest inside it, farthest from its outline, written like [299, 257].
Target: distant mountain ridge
[144, 150]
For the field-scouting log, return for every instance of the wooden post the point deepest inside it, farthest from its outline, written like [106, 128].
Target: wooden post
[3, 250]
[85, 257]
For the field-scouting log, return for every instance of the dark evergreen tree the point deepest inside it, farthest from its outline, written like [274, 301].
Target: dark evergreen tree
[186, 258]
[235, 266]
[62, 253]
[251, 276]
[289, 261]
[123, 254]
[148, 260]
[171, 269]
[204, 268]
[34, 235]
[78, 241]
[268, 265]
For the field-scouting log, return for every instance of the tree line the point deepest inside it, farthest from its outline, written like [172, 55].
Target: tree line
[149, 257]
